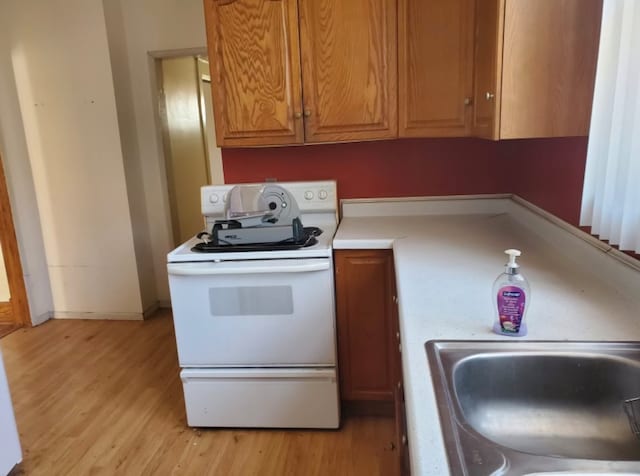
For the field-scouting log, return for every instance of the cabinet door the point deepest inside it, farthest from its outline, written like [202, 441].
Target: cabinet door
[435, 67]
[548, 67]
[366, 337]
[489, 21]
[349, 69]
[403, 461]
[255, 71]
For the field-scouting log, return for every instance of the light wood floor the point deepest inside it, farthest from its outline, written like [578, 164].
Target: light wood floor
[104, 397]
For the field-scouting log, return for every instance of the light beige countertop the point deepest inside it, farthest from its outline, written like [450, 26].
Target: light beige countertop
[446, 260]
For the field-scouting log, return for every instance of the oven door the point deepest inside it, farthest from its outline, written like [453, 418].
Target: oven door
[254, 313]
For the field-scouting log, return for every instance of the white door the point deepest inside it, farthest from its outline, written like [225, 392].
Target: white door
[254, 313]
[10, 453]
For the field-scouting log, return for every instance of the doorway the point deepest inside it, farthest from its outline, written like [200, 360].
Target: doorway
[5, 299]
[14, 310]
[192, 157]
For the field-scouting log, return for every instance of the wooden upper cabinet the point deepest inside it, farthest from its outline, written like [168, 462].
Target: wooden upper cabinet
[548, 67]
[489, 18]
[435, 67]
[349, 69]
[305, 71]
[535, 64]
[255, 71]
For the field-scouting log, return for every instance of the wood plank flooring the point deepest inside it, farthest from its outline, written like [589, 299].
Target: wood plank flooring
[104, 397]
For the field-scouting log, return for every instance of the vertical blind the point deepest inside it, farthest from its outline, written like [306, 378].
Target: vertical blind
[611, 194]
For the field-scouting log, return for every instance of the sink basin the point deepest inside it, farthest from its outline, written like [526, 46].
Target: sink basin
[513, 408]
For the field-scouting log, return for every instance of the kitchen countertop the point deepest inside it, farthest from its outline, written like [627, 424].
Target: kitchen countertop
[445, 267]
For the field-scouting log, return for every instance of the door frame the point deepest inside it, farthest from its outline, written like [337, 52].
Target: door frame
[155, 59]
[18, 300]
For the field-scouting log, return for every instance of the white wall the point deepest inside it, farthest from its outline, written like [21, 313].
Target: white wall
[60, 59]
[84, 174]
[15, 156]
[116, 36]
[4, 282]
[152, 26]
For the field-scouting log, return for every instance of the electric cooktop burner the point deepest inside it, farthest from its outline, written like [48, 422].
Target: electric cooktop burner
[309, 239]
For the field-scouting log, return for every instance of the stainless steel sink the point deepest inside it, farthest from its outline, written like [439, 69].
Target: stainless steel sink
[515, 408]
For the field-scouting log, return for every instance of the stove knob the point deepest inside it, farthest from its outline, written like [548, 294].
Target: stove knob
[213, 198]
[322, 194]
[308, 195]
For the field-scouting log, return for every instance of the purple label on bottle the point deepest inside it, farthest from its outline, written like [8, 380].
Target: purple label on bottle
[511, 300]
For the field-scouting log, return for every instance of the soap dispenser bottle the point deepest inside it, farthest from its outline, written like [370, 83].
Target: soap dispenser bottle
[512, 296]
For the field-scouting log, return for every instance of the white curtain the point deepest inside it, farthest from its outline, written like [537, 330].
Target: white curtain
[611, 195]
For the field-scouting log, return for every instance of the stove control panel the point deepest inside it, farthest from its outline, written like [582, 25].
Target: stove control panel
[311, 197]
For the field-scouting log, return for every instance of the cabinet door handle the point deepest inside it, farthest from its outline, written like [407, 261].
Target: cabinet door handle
[297, 115]
[307, 112]
[468, 101]
[489, 96]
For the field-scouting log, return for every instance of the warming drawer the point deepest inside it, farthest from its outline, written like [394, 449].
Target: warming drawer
[261, 398]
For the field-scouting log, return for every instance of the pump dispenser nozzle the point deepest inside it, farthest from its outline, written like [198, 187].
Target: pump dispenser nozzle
[512, 266]
[513, 254]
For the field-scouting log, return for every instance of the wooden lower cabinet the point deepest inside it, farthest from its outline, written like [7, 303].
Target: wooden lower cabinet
[366, 341]
[404, 467]
[369, 339]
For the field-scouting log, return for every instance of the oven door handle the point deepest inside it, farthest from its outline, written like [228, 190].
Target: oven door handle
[217, 269]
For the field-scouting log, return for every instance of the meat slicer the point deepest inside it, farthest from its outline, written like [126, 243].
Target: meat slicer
[259, 214]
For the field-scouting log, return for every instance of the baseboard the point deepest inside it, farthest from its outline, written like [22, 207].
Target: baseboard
[107, 316]
[112, 316]
[150, 311]
[382, 408]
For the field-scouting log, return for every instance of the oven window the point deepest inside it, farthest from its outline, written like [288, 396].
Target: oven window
[251, 301]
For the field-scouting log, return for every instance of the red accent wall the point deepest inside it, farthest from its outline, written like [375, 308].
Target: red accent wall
[547, 172]
[393, 168]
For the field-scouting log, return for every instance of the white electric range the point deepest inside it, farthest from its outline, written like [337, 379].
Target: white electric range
[255, 330]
